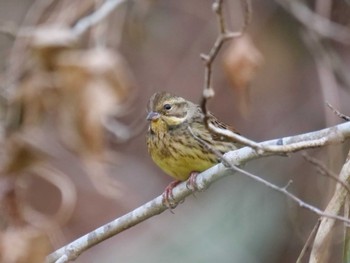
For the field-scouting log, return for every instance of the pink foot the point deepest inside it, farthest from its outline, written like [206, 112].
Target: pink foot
[191, 182]
[168, 197]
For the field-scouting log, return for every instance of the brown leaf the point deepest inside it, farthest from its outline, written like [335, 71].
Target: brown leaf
[34, 99]
[93, 85]
[20, 156]
[241, 61]
[47, 42]
[23, 245]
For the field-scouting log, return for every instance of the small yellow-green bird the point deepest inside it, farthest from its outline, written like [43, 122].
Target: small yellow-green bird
[170, 138]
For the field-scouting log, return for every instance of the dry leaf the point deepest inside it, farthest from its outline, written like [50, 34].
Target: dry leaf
[241, 62]
[35, 98]
[36, 94]
[93, 85]
[47, 42]
[24, 245]
[20, 156]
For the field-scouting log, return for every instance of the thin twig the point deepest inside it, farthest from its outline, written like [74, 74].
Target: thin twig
[248, 12]
[217, 8]
[180, 192]
[208, 91]
[338, 113]
[224, 35]
[323, 170]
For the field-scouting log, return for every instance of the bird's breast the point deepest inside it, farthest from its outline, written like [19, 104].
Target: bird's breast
[178, 154]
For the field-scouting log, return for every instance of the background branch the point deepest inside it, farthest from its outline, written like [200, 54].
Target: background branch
[326, 227]
[315, 22]
[96, 17]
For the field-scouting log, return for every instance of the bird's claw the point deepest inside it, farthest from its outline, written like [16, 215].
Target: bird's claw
[192, 181]
[168, 197]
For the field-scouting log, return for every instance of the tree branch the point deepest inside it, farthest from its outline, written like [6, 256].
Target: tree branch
[204, 180]
[282, 190]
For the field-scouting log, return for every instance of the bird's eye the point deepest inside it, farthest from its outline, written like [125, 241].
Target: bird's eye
[167, 107]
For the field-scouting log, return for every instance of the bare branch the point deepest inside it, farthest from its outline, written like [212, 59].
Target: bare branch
[217, 8]
[280, 146]
[296, 199]
[224, 35]
[203, 180]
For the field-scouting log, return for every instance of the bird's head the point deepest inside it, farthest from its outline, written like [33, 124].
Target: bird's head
[166, 110]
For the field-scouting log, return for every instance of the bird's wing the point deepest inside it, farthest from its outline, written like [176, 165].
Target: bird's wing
[214, 121]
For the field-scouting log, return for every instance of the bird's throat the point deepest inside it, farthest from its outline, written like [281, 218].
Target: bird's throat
[159, 126]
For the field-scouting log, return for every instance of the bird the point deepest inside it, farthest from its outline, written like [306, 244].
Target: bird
[179, 141]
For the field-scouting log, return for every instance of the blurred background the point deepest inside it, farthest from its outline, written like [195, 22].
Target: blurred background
[74, 107]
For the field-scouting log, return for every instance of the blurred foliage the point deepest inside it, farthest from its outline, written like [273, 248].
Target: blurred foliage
[62, 94]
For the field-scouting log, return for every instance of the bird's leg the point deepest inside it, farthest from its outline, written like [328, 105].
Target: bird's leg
[168, 197]
[191, 182]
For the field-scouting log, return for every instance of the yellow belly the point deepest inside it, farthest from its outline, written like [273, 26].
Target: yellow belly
[181, 167]
[180, 160]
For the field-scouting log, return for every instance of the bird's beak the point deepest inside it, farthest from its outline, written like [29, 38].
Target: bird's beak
[152, 116]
